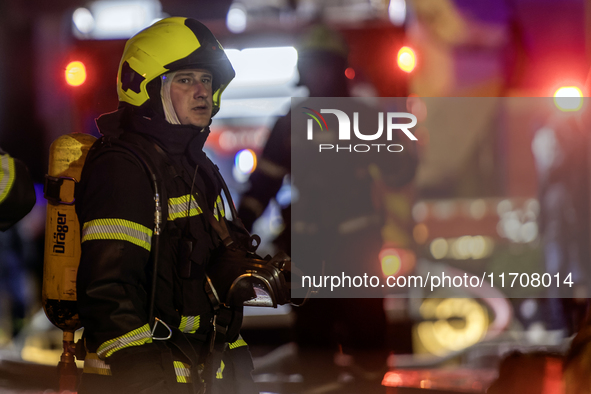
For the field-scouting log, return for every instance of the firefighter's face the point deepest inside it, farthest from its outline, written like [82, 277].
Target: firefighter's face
[191, 96]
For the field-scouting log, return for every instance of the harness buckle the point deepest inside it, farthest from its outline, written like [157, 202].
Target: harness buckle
[154, 330]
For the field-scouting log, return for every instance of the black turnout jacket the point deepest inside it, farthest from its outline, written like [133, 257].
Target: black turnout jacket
[116, 207]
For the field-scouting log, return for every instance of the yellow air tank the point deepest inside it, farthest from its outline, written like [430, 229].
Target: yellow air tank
[62, 244]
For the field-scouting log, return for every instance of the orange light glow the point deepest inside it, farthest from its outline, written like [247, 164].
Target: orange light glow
[391, 262]
[406, 59]
[420, 233]
[396, 261]
[75, 73]
[392, 379]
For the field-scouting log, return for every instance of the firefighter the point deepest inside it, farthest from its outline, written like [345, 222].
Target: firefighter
[322, 61]
[144, 335]
[326, 326]
[17, 198]
[17, 194]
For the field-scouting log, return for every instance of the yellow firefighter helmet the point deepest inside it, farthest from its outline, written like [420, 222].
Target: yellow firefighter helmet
[168, 45]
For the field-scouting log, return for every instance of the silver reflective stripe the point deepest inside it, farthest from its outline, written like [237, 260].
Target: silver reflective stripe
[178, 207]
[136, 337]
[6, 175]
[238, 343]
[182, 371]
[189, 324]
[93, 364]
[218, 208]
[220, 372]
[117, 229]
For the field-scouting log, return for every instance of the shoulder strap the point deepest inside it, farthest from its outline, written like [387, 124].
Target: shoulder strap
[227, 194]
[254, 239]
[147, 164]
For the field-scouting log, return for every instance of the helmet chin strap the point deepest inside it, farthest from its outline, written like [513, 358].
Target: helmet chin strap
[169, 112]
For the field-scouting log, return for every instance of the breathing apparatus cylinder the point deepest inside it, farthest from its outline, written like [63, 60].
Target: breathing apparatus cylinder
[62, 244]
[62, 232]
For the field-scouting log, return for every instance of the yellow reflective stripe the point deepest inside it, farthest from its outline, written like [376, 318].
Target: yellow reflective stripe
[136, 337]
[93, 364]
[218, 208]
[240, 342]
[6, 175]
[218, 374]
[182, 371]
[117, 229]
[178, 207]
[220, 205]
[189, 324]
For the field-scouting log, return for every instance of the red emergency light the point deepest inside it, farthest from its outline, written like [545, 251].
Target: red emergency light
[350, 73]
[406, 59]
[568, 98]
[75, 73]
